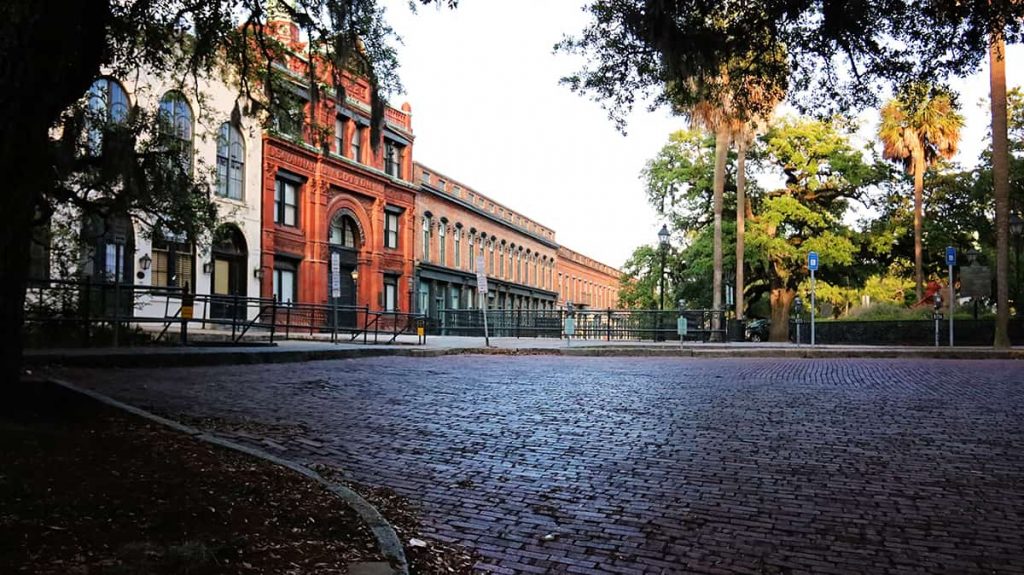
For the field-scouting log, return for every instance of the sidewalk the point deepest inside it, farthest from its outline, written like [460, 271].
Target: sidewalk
[313, 350]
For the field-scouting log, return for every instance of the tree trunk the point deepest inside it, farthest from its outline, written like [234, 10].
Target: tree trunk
[781, 298]
[51, 52]
[918, 166]
[721, 154]
[1000, 185]
[741, 206]
[19, 159]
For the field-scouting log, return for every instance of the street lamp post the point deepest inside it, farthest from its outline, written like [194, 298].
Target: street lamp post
[663, 236]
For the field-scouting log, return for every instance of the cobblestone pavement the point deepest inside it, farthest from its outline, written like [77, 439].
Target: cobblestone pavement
[619, 465]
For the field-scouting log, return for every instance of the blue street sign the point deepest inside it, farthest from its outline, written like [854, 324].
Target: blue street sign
[950, 256]
[812, 261]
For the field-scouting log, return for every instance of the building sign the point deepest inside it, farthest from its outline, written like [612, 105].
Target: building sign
[335, 275]
[481, 275]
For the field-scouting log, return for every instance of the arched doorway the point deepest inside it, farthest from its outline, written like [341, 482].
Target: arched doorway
[344, 239]
[229, 281]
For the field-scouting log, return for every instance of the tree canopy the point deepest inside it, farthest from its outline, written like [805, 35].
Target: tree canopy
[837, 55]
[54, 50]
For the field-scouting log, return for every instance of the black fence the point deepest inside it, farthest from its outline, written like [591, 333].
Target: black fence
[966, 332]
[82, 313]
[605, 325]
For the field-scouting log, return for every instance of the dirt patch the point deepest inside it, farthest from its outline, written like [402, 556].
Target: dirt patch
[87, 489]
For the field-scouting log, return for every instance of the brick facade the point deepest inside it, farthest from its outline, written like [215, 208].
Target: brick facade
[330, 171]
[338, 179]
[586, 282]
[519, 254]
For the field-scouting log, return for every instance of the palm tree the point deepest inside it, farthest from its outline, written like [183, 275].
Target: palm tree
[918, 127]
[1000, 183]
[718, 118]
[746, 133]
[726, 105]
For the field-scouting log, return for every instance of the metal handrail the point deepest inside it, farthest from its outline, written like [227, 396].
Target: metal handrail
[86, 303]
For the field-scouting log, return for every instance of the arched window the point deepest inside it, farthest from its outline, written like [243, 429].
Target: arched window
[344, 232]
[501, 260]
[490, 246]
[472, 253]
[176, 124]
[441, 242]
[230, 162]
[457, 255]
[108, 104]
[426, 238]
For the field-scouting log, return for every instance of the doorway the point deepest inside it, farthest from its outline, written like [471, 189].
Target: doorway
[343, 242]
[229, 281]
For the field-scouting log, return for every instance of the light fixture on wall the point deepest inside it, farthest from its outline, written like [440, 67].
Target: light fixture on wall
[207, 267]
[355, 275]
[145, 262]
[258, 273]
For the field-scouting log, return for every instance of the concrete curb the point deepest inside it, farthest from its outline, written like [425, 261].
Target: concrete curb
[387, 539]
[189, 358]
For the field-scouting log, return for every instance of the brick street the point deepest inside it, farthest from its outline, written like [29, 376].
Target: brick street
[651, 465]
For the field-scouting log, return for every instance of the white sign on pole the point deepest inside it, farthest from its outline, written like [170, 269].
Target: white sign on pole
[335, 275]
[481, 276]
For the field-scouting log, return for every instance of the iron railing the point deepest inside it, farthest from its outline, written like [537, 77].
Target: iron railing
[87, 309]
[589, 324]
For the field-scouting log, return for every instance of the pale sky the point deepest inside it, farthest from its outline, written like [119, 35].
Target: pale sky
[488, 111]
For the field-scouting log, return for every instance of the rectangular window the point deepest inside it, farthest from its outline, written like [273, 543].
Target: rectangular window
[423, 305]
[339, 135]
[390, 293]
[458, 248]
[284, 285]
[286, 203]
[289, 117]
[425, 177]
[392, 159]
[472, 254]
[457, 191]
[441, 185]
[356, 144]
[453, 294]
[172, 265]
[441, 247]
[426, 239]
[391, 230]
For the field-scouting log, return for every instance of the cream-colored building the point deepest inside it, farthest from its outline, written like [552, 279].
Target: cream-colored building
[226, 151]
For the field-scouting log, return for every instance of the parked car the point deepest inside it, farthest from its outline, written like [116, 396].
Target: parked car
[757, 330]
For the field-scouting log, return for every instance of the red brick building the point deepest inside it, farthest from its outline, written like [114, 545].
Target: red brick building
[335, 210]
[344, 223]
[586, 282]
[456, 226]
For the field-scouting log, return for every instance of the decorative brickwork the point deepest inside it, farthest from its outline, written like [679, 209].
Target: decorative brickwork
[442, 224]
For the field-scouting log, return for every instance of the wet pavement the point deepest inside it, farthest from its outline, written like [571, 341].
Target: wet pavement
[551, 464]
